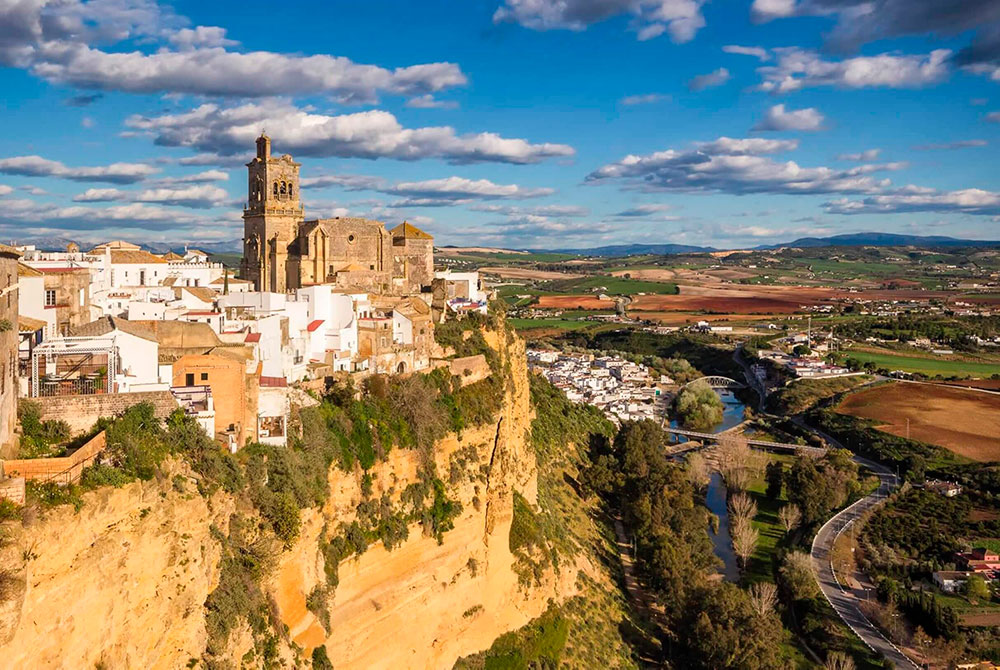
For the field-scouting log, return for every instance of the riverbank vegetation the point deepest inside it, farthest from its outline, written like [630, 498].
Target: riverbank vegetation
[698, 407]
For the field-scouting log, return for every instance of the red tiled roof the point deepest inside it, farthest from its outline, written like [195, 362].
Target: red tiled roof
[314, 325]
[201, 312]
[252, 337]
[273, 382]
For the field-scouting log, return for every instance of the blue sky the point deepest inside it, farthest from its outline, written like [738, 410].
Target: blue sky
[515, 123]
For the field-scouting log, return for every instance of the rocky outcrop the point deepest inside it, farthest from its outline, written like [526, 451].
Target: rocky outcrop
[425, 604]
[123, 581]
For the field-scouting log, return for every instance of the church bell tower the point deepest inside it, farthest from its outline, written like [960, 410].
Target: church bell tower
[271, 219]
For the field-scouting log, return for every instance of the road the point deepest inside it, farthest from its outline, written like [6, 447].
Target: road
[846, 602]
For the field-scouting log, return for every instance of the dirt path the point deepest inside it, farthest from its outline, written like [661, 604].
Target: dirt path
[641, 600]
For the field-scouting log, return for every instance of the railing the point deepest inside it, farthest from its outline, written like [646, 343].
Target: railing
[74, 386]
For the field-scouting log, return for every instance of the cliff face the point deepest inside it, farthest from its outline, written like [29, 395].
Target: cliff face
[124, 580]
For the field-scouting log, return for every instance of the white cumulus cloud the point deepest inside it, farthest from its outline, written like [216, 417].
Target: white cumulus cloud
[371, 134]
[779, 118]
[36, 166]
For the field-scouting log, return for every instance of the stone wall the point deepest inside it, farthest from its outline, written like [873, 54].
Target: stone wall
[81, 412]
[12, 489]
[470, 369]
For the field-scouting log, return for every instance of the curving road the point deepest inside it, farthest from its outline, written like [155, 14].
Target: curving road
[845, 601]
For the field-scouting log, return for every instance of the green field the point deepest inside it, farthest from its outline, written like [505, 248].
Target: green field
[927, 366]
[611, 285]
[767, 524]
[565, 324]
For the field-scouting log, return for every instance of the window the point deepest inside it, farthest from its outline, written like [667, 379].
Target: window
[204, 376]
[275, 188]
[189, 379]
[289, 190]
[50, 297]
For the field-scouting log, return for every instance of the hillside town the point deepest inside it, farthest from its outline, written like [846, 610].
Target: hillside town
[114, 325]
[623, 390]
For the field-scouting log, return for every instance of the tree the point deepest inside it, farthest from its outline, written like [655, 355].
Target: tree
[763, 597]
[742, 506]
[838, 660]
[697, 470]
[797, 578]
[774, 475]
[789, 516]
[745, 538]
[698, 406]
[915, 468]
[976, 589]
[818, 486]
[722, 630]
[738, 463]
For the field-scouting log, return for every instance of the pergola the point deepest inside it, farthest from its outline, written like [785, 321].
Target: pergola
[81, 352]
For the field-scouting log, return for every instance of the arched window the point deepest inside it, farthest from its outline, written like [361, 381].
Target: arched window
[283, 188]
[275, 188]
[289, 189]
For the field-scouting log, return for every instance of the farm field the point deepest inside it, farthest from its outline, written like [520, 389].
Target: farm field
[559, 324]
[651, 274]
[926, 366]
[612, 285]
[964, 422]
[526, 273]
[575, 302]
[723, 304]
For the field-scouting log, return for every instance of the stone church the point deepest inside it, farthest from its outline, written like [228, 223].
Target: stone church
[282, 251]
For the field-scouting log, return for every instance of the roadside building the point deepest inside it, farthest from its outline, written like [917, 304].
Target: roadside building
[950, 581]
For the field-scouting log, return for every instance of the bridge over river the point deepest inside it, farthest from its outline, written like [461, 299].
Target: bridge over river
[715, 437]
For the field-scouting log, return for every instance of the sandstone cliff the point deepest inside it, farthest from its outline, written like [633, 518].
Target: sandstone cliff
[123, 582]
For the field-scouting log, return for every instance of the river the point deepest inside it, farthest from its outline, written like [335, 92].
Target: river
[732, 413]
[722, 545]
[715, 495]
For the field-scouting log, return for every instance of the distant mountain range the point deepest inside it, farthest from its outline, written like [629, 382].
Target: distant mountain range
[883, 240]
[631, 250]
[870, 239]
[848, 240]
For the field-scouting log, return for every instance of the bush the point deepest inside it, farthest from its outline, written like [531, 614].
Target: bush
[9, 510]
[98, 475]
[50, 494]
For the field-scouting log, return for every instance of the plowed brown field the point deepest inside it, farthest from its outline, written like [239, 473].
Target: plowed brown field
[963, 421]
[574, 302]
